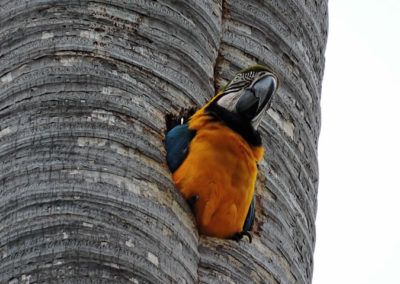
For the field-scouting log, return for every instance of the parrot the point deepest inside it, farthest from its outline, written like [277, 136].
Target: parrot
[213, 158]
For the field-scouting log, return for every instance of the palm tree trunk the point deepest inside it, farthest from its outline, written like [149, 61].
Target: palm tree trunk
[86, 88]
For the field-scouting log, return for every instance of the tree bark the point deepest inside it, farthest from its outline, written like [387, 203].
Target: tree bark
[87, 89]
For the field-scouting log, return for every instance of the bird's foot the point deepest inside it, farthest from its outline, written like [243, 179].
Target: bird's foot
[239, 236]
[192, 201]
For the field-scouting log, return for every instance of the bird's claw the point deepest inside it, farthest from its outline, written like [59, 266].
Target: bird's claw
[239, 236]
[192, 201]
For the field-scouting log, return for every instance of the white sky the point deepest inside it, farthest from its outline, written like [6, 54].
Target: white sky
[358, 219]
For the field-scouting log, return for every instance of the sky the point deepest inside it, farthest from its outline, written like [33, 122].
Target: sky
[358, 218]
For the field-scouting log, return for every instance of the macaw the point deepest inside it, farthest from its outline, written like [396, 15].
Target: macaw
[213, 158]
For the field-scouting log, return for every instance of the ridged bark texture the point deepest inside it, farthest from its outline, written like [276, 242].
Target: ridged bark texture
[86, 88]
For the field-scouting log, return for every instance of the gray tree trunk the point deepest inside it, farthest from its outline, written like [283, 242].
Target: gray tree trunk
[86, 88]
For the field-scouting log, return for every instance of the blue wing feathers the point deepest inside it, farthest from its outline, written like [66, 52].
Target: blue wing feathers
[177, 143]
[248, 223]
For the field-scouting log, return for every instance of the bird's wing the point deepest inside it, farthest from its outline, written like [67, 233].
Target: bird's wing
[248, 223]
[177, 143]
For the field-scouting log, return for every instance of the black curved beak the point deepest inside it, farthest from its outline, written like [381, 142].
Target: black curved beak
[253, 103]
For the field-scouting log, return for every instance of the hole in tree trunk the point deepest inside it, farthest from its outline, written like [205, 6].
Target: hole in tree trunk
[173, 120]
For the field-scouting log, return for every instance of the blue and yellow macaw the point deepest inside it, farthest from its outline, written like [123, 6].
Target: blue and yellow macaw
[213, 158]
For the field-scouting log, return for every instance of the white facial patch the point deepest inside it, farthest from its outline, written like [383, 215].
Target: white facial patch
[229, 101]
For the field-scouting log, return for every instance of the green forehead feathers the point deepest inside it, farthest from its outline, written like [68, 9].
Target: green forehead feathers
[255, 68]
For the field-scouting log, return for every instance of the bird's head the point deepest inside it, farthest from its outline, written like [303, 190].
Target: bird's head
[248, 95]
